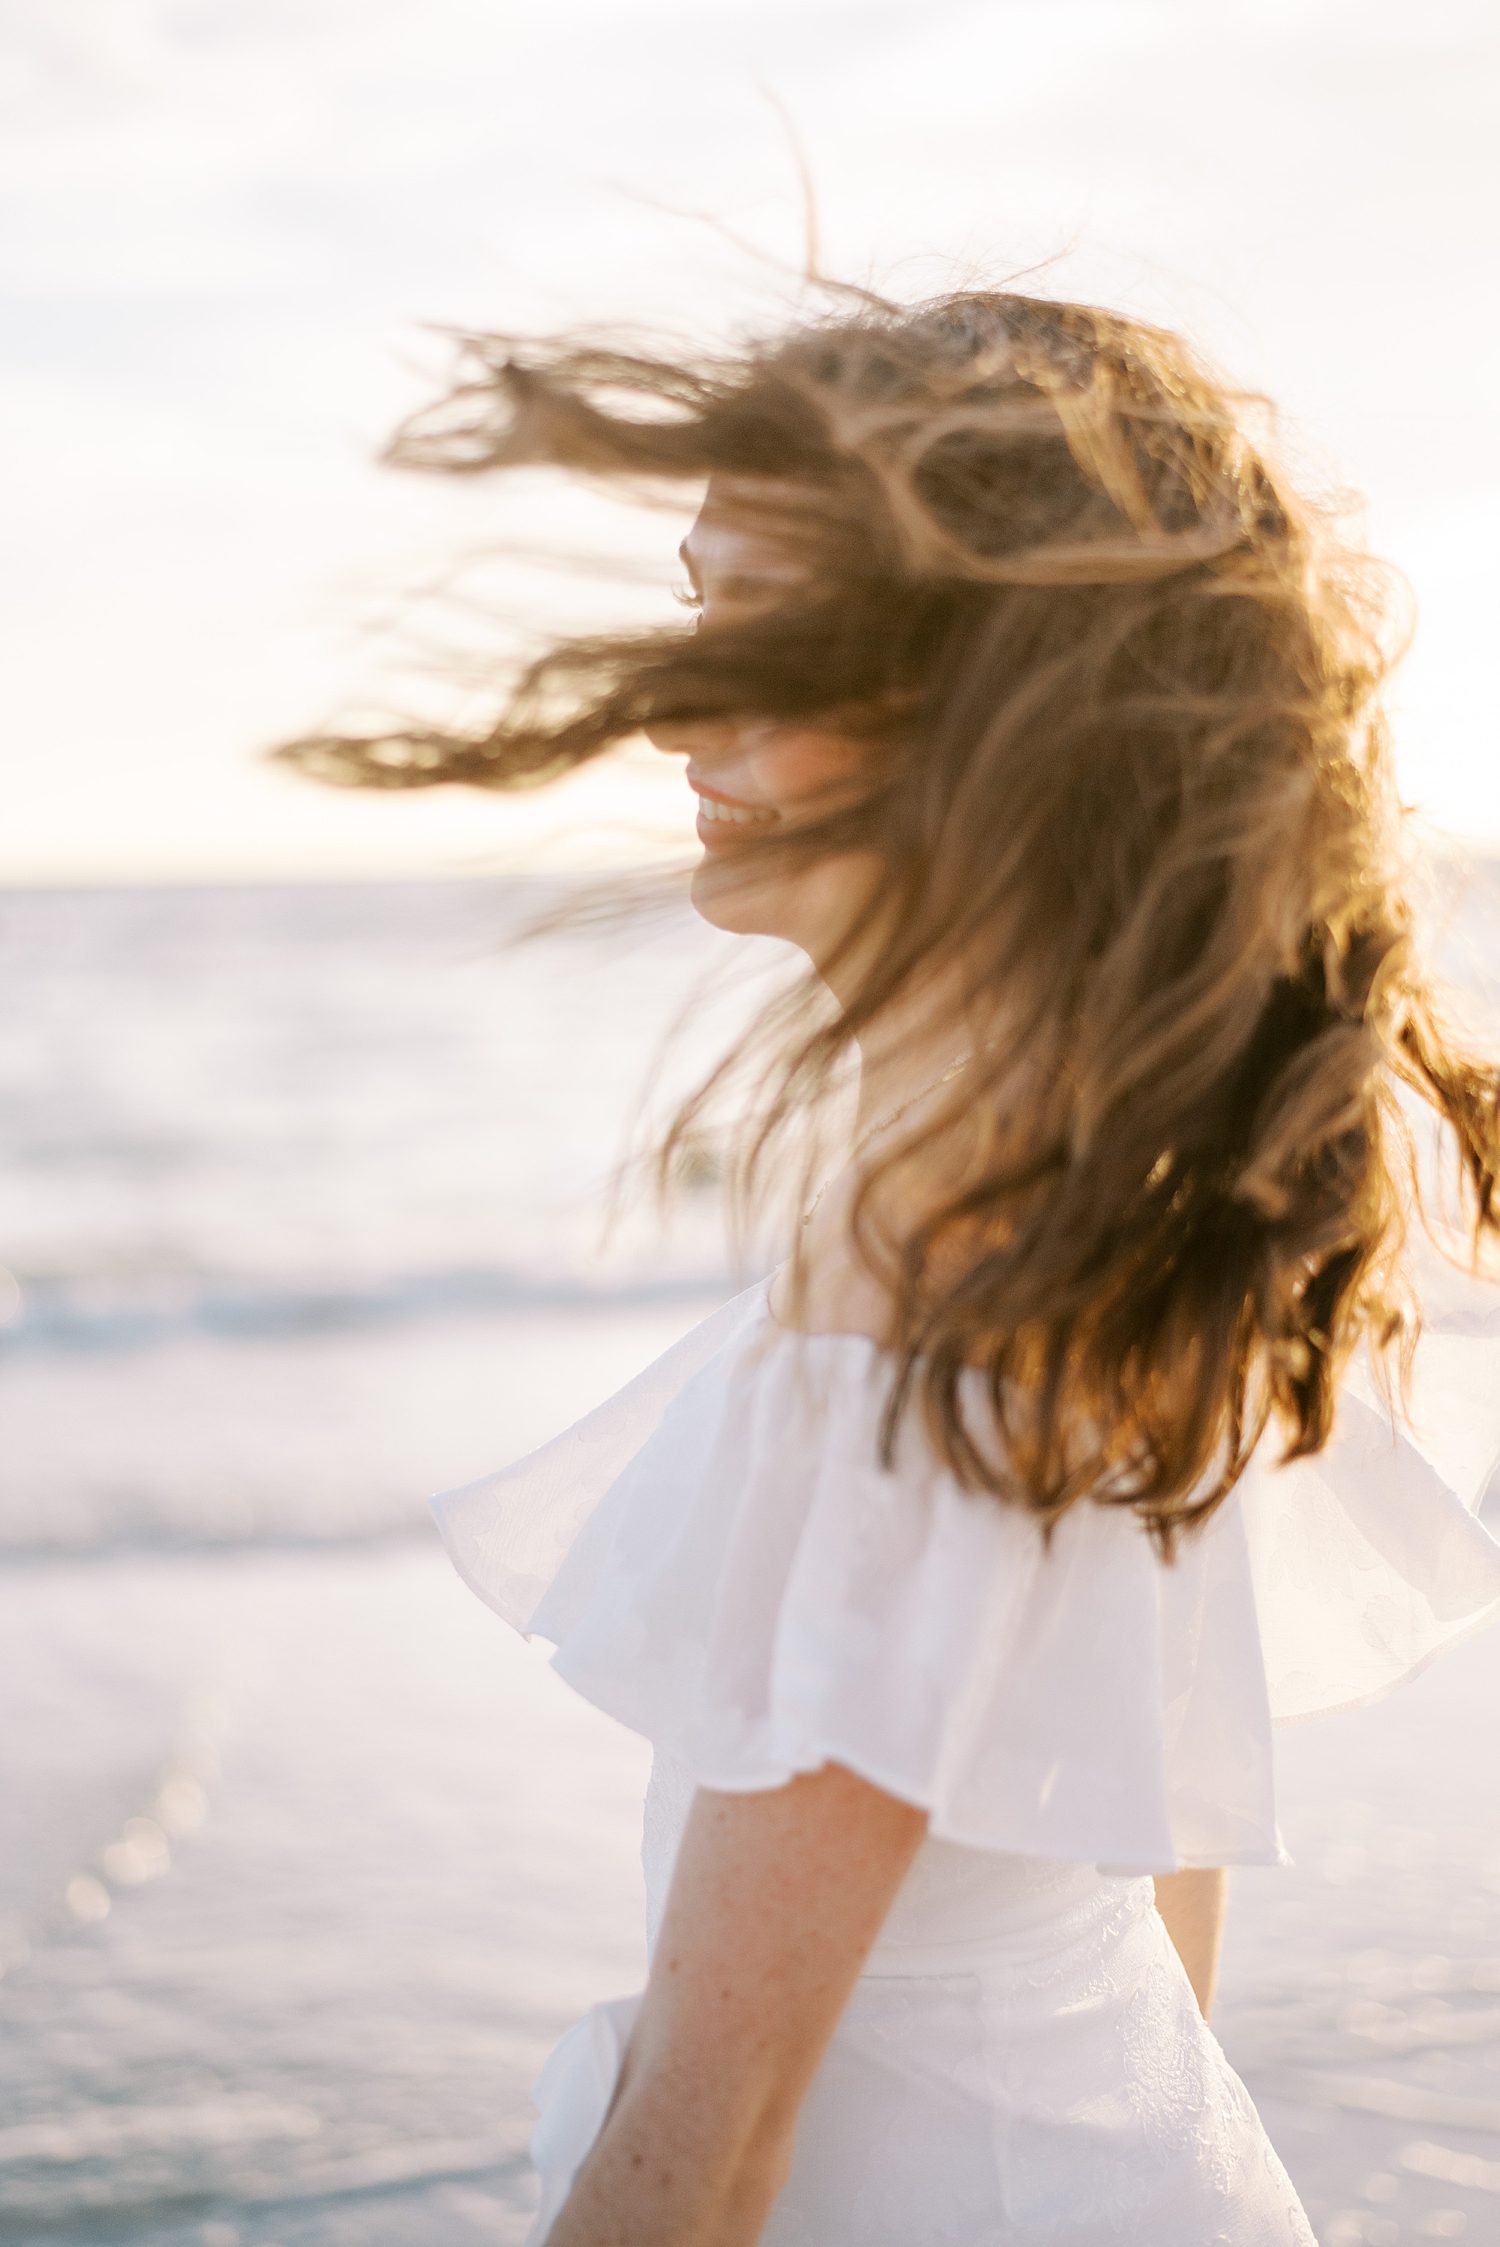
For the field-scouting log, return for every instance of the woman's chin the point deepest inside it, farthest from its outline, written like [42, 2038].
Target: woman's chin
[730, 896]
[810, 911]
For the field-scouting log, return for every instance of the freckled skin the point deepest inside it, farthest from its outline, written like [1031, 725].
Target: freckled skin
[774, 1903]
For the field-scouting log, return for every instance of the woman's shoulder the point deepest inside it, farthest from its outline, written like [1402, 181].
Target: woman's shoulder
[836, 1296]
[723, 1560]
[828, 1285]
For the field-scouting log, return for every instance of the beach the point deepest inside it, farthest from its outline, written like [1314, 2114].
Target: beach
[397, 1856]
[306, 1859]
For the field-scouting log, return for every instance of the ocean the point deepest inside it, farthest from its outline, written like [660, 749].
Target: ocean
[304, 1862]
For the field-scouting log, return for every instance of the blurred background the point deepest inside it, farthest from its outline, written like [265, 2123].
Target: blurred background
[304, 1863]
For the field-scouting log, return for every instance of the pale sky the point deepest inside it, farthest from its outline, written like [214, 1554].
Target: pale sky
[225, 220]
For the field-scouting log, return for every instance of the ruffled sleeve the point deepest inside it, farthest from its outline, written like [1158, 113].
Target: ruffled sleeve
[1368, 1559]
[508, 1533]
[721, 1563]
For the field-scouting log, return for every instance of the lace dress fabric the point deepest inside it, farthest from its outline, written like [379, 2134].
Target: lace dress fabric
[719, 1563]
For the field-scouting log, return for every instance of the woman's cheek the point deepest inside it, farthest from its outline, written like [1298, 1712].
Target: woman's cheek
[792, 765]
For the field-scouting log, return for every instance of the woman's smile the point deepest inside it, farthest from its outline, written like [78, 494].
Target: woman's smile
[718, 813]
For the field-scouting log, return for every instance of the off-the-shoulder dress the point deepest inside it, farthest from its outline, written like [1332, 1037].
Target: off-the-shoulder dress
[720, 1562]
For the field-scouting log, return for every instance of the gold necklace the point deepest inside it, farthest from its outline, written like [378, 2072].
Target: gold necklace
[896, 1114]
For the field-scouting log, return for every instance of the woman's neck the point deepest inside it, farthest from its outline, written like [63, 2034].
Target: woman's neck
[904, 1054]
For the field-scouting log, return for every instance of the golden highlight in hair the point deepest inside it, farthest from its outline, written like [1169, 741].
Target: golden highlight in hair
[1129, 782]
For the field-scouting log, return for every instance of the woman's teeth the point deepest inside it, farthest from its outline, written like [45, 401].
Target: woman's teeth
[736, 814]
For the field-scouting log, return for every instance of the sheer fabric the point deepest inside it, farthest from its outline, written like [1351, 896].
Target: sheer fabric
[720, 1562]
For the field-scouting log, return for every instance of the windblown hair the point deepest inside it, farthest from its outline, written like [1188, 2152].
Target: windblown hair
[1128, 774]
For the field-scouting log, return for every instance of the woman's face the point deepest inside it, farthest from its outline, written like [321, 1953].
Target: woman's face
[752, 776]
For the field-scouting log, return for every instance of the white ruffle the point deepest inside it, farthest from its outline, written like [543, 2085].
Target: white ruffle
[572, 2096]
[721, 1564]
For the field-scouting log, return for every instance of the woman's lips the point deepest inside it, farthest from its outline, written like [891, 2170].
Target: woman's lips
[721, 818]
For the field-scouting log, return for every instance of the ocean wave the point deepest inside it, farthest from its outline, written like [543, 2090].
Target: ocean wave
[101, 1545]
[93, 1313]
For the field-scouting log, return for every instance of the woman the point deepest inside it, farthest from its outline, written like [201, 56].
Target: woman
[954, 1570]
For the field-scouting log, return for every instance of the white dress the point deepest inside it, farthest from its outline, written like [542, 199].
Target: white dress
[721, 1563]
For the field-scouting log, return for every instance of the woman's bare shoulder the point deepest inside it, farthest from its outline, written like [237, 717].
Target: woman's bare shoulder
[839, 1293]
[837, 1297]
[843, 1293]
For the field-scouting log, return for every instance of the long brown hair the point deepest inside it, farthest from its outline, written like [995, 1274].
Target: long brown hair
[1128, 769]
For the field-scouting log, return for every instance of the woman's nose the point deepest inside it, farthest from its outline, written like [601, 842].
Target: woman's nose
[681, 736]
[669, 735]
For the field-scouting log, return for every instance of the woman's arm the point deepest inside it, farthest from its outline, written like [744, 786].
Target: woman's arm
[776, 1898]
[1192, 1904]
